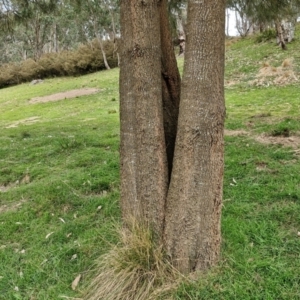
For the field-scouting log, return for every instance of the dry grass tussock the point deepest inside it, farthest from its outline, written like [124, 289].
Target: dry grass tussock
[135, 269]
[281, 75]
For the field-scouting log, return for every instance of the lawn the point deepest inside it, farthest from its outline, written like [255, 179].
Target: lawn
[59, 184]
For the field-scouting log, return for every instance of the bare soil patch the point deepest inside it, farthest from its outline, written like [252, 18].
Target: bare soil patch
[292, 141]
[229, 83]
[64, 95]
[11, 206]
[4, 188]
[27, 121]
[235, 132]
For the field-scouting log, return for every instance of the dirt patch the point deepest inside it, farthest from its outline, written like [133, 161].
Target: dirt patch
[229, 83]
[27, 121]
[292, 141]
[262, 115]
[4, 189]
[235, 132]
[64, 95]
[11, 206]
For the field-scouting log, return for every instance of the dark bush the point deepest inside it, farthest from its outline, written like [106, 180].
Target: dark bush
[10, 74]
[265, 36]
[51, 63]
[30, 70]
[86, 59]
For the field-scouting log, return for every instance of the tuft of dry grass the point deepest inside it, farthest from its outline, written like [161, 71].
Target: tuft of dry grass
[265, 64]
[281, 75]
[134, 269]
[288, 62]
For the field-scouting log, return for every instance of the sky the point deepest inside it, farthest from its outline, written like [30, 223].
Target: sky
[232, 23]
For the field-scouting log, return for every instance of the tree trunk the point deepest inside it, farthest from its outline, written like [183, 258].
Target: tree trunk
[192, 233]
[130, 206]
[55, 40]
[227, 21]
[181, 35]
[280, 37]
[37, 41]
[184, 213]
[103, 52]
[141, 55]
[116, 50]
[99, 39]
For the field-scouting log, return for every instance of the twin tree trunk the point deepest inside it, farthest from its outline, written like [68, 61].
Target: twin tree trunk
[172, 131]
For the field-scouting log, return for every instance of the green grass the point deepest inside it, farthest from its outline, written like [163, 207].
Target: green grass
[71, 156]
[59, 176]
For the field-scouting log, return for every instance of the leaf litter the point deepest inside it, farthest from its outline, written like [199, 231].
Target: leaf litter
[76, 282]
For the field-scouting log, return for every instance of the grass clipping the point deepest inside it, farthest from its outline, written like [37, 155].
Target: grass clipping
[135, 269]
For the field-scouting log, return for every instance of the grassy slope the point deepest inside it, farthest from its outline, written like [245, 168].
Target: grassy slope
[71, 156]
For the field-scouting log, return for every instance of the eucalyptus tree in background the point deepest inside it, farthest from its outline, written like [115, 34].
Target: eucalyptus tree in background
[6, 15]
[31, 28]
[277, 13]
[114, 28]
[99, 20]
[32, 20]
[177, 15]
[36, 17]
[94, 16]
[178, 194]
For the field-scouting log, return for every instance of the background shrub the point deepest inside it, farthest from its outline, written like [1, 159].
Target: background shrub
[86, 59]
[265, 36]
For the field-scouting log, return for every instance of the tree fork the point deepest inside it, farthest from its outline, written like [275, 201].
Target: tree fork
[185, 212]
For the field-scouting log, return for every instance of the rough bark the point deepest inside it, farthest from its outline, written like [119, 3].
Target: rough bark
[142, 55]
[192, 232]
[170, 84]
[129, 201]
